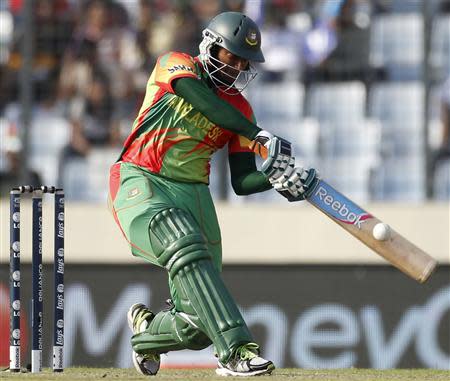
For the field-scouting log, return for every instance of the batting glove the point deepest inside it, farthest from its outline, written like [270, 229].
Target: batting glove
[279, 164]
[299, 186]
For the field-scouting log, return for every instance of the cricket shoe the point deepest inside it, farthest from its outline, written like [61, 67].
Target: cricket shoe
[246, 362]
[139, 317]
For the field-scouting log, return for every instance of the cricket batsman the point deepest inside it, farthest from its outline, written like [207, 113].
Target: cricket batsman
[161, 201]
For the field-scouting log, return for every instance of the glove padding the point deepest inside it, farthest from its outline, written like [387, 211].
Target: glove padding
[300, 184]
[279, 163]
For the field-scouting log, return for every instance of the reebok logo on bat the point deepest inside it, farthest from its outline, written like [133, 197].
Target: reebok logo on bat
[340, 210]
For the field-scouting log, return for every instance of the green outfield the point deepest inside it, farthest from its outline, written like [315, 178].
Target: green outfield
[208, 374]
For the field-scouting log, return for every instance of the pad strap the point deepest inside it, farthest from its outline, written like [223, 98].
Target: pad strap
[170, 331]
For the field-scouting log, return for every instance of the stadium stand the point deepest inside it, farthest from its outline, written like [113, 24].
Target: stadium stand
[375, 119]
[397, 46]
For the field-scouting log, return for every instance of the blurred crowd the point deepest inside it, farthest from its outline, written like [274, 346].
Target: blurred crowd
[92, 58]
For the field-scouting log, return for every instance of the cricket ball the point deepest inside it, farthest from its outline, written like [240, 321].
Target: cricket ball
[381, 232]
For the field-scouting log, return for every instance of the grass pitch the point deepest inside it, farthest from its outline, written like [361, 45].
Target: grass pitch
[73, 374]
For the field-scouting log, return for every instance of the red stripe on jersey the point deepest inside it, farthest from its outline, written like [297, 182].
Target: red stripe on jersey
[159, 147]
[159, 94]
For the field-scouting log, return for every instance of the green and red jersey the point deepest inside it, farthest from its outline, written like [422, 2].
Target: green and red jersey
[170, 137]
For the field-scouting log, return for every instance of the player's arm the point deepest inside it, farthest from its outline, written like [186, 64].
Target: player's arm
[278, 168]
[279, 160]
[176, 73]
[245, 178]
[214, 108]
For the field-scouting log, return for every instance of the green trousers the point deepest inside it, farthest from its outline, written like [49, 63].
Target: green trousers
[174, 225]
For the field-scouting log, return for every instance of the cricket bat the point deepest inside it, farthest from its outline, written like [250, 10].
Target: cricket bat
[393, 247]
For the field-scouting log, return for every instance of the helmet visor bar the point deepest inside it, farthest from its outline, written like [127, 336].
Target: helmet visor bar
[227, 78]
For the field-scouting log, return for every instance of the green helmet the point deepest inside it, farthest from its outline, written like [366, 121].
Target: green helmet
[238, 34]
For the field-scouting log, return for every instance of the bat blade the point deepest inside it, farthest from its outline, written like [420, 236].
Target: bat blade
[396, 249]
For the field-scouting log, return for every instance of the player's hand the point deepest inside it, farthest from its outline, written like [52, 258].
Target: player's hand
[299, 186]
[279, 163]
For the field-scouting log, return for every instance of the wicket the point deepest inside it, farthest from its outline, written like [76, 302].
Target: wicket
[37, 278]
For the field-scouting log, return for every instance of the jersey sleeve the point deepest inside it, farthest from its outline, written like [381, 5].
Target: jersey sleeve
[171, 66]
[237, 142]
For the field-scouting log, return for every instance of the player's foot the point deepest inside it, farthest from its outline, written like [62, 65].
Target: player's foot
[147, 364]
[246, 362]
[139, 317]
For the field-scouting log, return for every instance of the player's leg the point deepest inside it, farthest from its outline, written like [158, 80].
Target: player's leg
[135, 198]
[139, 317]
[173, 239]
[245, 360]
[165, 331]
[201, 296]
[172, 329]
[181, 249]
